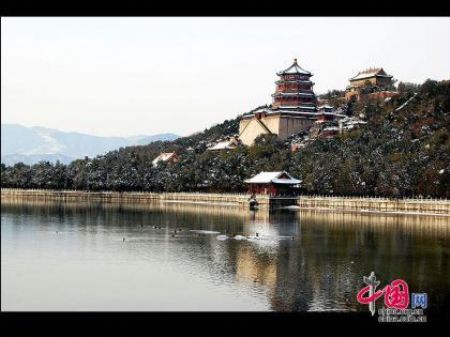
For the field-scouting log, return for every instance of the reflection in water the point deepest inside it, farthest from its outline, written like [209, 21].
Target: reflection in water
[73, 256]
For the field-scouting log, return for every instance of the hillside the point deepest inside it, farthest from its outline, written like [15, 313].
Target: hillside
[33, 144]
[403, 150]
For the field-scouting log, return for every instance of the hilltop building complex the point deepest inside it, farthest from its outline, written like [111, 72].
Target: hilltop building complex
[294, 107]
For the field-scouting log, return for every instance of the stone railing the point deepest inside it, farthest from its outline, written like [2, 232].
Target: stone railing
[439, 207]
[384, 205]
[237, 199]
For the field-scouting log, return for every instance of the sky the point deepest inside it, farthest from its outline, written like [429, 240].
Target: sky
[130, 76]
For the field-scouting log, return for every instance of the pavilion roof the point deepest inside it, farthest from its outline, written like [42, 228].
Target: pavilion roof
[164, 156]
[228, 144]
[297, 93]
[371, 72]
[273, 177]
[294, 69]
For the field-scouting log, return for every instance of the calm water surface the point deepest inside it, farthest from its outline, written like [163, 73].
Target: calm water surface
[72, 256]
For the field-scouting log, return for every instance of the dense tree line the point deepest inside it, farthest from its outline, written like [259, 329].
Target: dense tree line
[403, 152]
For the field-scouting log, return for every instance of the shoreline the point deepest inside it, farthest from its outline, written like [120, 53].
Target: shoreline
[417, 207]
[374, 212]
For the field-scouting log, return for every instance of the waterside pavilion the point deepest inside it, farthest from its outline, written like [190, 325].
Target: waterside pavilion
[272, 183]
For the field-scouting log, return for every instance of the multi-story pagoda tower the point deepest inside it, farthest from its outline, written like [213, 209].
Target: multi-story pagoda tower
[294, 90]
[294, 108]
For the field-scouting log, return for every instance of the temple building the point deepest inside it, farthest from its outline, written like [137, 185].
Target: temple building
[272, 183]
[229, 143]
[169, 157]
[371, 80]
[294, 107]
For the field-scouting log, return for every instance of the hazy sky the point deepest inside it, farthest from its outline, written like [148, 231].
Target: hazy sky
[129, 76]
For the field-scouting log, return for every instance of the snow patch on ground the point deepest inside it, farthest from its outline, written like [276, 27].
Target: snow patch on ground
[406, 103]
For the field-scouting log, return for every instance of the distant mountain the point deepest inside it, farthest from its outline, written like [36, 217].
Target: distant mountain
[33, 144]
[30, 159]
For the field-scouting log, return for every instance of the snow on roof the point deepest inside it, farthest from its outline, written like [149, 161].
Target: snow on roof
[294, 69]
[272, 177]
[260, 110]
[325, 107]
[225, 145]
[293, 81]
[298, 93]
[293, 112]
[354, 122]
[371, 72]
[299, 113]
[286, 109]
[164, 156]
[331, 128]
[297, 107]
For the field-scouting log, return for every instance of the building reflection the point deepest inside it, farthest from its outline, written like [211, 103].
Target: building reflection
[322, 268]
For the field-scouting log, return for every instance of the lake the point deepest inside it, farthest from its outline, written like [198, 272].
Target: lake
[127, 257]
